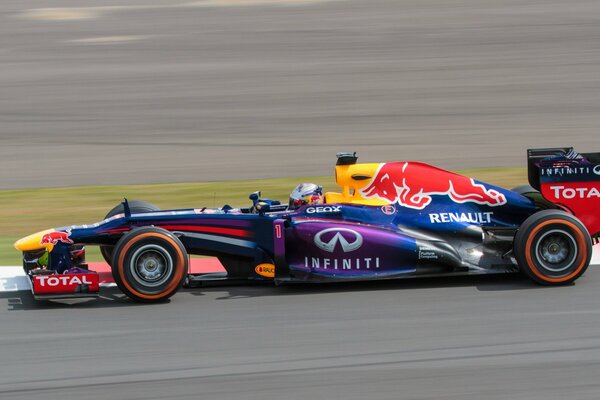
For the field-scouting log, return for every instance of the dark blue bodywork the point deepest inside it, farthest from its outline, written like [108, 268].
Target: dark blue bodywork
[331, 242]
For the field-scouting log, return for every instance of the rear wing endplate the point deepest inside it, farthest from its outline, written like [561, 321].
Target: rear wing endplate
[569, 180]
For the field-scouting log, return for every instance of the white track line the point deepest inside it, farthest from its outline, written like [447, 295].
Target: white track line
[98, 11]
[13, 279]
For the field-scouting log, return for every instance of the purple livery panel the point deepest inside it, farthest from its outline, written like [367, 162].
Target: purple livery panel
[328, 249]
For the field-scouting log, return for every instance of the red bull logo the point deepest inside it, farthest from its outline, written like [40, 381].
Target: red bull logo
[412, 185]
[55, 237]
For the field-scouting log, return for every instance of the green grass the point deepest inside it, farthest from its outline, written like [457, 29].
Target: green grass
[23, 212]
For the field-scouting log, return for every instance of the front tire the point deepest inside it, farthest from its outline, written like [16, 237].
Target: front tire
[553, 247]
[149, 264]
[135, 206]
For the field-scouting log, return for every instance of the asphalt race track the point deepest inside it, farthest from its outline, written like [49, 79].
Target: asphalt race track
[474, 338]
[130, 91]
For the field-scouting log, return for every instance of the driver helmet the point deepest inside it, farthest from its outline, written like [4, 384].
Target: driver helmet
[306, 193]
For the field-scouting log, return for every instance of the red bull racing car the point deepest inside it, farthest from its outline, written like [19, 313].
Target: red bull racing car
[390, 220]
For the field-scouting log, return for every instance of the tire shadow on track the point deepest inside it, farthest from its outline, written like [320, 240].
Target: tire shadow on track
[114, 298]
[109, 297]
[484, 283]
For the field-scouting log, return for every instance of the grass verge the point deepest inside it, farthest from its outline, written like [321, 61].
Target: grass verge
[23, 212]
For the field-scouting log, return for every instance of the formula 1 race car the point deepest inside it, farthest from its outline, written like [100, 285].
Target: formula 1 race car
[391, 220]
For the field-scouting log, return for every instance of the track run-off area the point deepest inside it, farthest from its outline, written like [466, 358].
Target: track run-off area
[150, 91]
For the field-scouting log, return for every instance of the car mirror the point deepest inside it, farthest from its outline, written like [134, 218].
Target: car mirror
[254, 196]
[263, 207]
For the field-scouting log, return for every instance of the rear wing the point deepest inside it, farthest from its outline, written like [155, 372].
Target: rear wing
[570, 180]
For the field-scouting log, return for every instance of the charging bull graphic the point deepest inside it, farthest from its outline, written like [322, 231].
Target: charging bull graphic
[55, 237]
[412, 185]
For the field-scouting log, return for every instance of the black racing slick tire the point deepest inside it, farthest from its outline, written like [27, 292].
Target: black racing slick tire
[149, 264]
[524, 189]
[136, 206]
[553, 247]
[540, 202]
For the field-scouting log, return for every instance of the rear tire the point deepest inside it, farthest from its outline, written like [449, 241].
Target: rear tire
[149, 264]
[524, 189]
[553, 247]
[136, 206]
[540, 202]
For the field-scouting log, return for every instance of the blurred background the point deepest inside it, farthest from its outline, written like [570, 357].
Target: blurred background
[149, 91]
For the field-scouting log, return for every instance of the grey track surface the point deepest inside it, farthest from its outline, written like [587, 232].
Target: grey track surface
[454, 339]
[163, 91]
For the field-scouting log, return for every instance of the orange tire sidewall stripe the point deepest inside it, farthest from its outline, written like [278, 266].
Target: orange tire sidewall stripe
[171, 286]
[581, 256]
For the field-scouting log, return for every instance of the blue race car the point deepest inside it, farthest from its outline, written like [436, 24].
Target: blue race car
[390, 220]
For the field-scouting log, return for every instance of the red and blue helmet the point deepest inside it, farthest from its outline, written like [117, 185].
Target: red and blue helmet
[306, 193]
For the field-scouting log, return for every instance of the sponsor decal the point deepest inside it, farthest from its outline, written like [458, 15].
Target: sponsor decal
[341, 263]
[468, 217]
[55, 237]
[323, 209]
[412, 185]
[562, 192]
[426, 253]
[348, 239]
[66, 283]
[566, 171]
[388, 210]
[58, 280]
[266, 270]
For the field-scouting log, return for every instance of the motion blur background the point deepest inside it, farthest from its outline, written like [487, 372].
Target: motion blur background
[137, 91]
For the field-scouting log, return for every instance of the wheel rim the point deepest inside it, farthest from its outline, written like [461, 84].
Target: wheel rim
[556, 250]
[151, 265]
